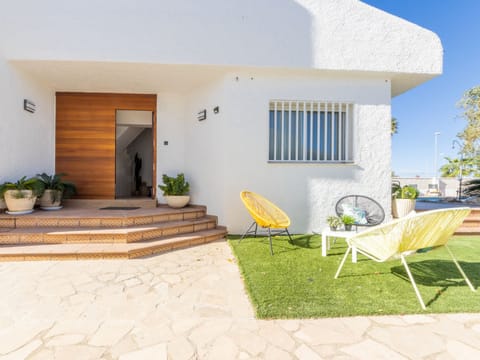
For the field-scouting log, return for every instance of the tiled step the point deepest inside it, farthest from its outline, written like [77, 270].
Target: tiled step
[108, 251]
[468, 230]
[135, 233]
[471, 225]
[80, 217]
[463, 231]
[91, 233]
[146, 203]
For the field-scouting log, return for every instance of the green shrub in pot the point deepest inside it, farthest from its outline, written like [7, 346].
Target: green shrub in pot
[403, 200]
[56, 189]
[175, 190]
[20, 196]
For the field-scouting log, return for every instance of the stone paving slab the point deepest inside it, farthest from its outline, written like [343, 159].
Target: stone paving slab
[191, 304]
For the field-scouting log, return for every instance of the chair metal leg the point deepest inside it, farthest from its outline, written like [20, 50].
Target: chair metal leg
[290, 241]
[343, 262]
[254, 231]
[461, 270]
[270, 239]
[404, 262]
[248, 231]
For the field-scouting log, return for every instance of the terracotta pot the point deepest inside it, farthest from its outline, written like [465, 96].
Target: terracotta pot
[51, 198]
[402, 207]
[15, 202]
[177, 201]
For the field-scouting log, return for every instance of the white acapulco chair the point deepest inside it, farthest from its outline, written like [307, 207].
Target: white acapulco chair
[403, 237]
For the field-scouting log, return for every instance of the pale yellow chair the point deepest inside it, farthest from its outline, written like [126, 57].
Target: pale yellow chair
[266, 215]
[403, 237]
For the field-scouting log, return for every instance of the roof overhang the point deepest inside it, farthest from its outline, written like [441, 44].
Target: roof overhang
[157, 78]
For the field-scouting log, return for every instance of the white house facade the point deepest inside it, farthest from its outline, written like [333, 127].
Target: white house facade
[295, 93]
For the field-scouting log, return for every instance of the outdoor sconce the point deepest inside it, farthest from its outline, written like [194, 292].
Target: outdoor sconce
[216, 110]
[202, 115]
[29, 106]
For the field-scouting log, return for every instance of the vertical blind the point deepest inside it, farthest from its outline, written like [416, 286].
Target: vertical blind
[310, 131]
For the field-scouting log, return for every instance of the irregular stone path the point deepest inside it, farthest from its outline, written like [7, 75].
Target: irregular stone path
[191, 304]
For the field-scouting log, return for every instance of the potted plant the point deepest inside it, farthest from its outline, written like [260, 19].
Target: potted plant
[175, 190]
[20, 196]
[403, 200]
[348, 221]
[334, 222]
[56, 189]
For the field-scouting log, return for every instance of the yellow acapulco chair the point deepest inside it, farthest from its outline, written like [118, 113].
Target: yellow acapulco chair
[266, 215]
[400, 238]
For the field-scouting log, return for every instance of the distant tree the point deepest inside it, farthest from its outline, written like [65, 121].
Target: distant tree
[452, 168]
[394, 125]
[470, 103]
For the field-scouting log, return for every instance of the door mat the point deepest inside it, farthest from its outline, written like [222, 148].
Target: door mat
[120, 208]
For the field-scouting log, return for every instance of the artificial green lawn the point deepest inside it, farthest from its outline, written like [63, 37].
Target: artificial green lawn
[297, 282]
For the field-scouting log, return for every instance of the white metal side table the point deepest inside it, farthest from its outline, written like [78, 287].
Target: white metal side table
[328, 234]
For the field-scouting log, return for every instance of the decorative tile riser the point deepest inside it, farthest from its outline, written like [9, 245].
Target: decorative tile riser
[471, 224]
[100, 203]
[28, 222]
[92, 237]
[133, 254]
[467, 231]
[177, 245]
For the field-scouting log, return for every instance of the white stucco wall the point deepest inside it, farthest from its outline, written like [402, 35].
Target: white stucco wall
[26, 139]
[207, 147]
[170, 129]
[228, 151]
[235, 54]
[320, 34]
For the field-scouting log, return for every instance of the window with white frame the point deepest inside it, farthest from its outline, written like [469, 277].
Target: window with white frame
[310, 131]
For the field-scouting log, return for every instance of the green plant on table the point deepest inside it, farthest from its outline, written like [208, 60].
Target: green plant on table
[334, 222]
[348, 220]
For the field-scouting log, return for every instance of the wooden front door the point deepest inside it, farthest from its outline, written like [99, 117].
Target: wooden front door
[85, 138]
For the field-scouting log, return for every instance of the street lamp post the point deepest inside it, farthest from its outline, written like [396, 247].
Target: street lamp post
[435, 170]
[460, 176]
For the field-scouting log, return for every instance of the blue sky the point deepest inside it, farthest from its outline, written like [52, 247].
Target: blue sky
[432, 106]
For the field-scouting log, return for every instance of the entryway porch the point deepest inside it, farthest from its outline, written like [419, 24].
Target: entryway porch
[85, 231]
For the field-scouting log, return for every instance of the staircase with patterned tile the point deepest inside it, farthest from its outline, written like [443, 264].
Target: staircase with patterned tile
[83, 232]
[471, 225]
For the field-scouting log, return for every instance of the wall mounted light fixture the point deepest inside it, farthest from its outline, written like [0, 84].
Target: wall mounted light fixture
[29, 106]
[202, 115]
[216, 110]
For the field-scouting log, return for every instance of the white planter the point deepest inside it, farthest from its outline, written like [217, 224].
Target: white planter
[51, 198]
[16, 203]
[177, 201]
[402, 207]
